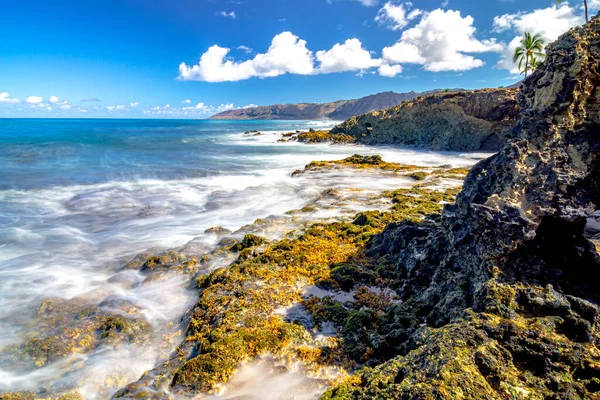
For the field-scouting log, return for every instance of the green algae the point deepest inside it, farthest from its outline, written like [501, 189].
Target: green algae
[313, 136]
[233, 320]
[419, 175]
[357, 161]
[247, 242]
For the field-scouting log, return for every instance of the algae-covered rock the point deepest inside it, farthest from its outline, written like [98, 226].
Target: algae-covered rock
[313, 136]
[236, 318]
[66, 327]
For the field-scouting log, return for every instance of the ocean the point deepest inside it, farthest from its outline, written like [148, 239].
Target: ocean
[78, 198]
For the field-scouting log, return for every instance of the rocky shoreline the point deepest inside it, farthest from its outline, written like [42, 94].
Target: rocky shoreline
[428, 291]
[328, 228]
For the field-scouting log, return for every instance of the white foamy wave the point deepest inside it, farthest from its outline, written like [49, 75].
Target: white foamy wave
[72, 241]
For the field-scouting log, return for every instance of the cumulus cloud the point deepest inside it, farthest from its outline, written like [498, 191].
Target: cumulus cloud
[349, 56]
[5, 98]
[389, 71]
[63, 104]
[134, 104]
[549, 22]
[396, 15]
[226, 14]
[441, 41]
[186, 101]
[34, 100]
[287, 54]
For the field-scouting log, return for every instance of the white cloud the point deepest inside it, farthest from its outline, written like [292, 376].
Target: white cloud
[349, 56]
[506, 61]
[5, 98]
[287, 54]
[34, 100]
[549, 22]
[245, 49]
[403, 52]
[226, 14]
[396, 15]
[186, 101]
[441, 41]
[200, 110]
[63, 104]
[116, 108]
[165, 107]
[389, 71]
[134, 104]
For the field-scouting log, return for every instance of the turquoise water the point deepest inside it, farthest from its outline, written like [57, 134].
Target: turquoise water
[79, 197]
[41, 153]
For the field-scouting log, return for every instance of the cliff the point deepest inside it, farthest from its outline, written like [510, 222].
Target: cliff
[461, 121]
[495, 296]
[339, 110]
[500, 295]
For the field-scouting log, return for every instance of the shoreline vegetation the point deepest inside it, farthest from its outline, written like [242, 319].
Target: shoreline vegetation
[465, 283]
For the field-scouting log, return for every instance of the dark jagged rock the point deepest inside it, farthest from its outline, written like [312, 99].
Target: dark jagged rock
[462, 121]
[500, 296]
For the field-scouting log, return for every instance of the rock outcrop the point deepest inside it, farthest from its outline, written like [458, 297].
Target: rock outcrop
[461, 121]
[337, 110]
[500, 295]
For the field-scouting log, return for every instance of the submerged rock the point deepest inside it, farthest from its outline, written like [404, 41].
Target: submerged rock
[500, 296]
[460, 121]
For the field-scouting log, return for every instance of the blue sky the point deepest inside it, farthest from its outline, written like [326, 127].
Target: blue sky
[133, 58]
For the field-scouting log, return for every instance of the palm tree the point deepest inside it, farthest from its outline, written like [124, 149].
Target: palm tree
[531, 47]
[534, 63]
[585, 6]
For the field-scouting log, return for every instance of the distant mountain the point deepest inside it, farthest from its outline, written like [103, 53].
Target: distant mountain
[339, 110]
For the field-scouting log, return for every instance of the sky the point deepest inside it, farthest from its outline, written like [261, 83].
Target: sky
[194, 58]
